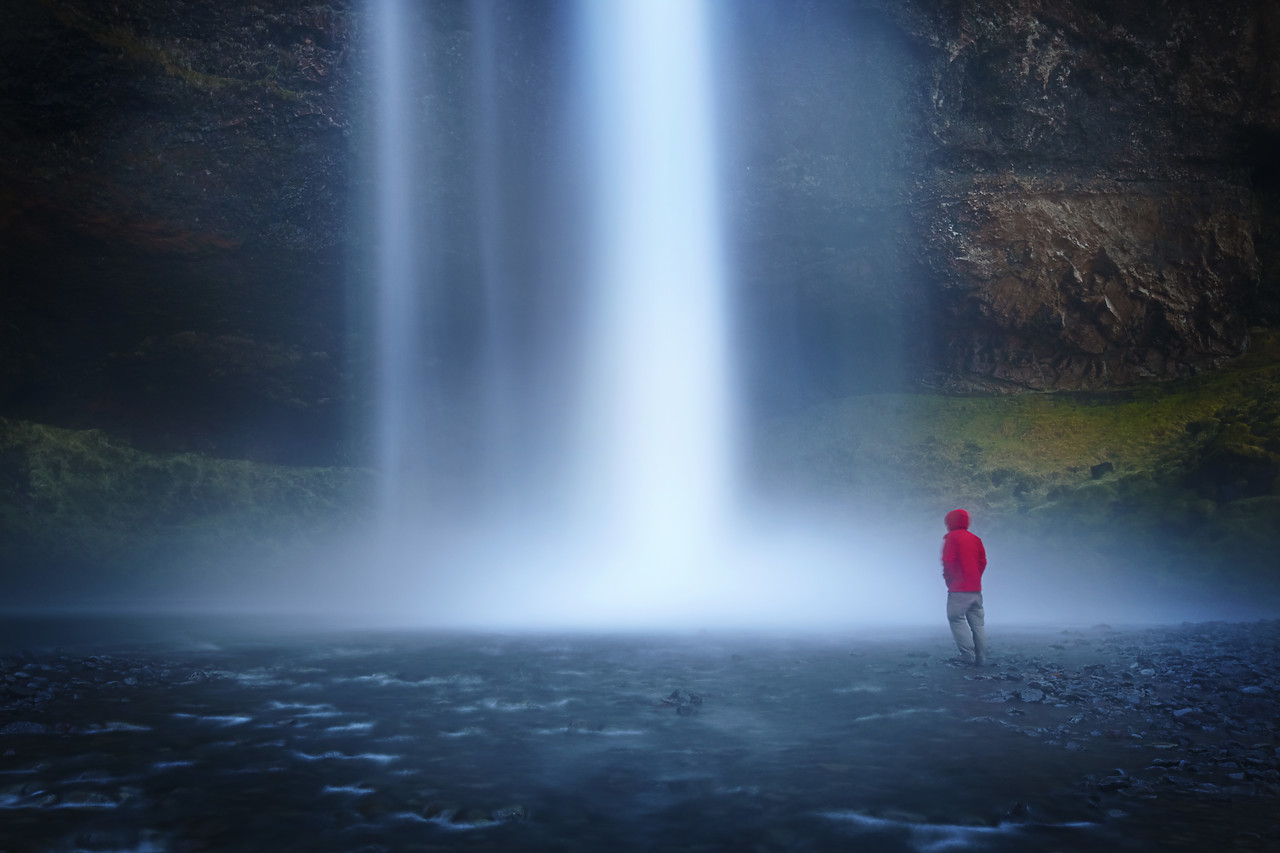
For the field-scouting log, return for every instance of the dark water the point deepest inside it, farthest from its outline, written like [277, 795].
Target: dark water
[362, 741]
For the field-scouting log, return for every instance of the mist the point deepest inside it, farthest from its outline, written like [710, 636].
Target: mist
[636, 511]
[571, 378]
[817, 568]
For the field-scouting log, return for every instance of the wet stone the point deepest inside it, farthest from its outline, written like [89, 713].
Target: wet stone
[685, 703]
[300, 740]
[507, 814]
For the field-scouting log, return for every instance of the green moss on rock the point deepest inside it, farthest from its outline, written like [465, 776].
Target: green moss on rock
[87, 506]
[1185, 474]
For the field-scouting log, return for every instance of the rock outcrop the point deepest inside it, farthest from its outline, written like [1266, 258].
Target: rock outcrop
[1111, 176]
[1091, 285]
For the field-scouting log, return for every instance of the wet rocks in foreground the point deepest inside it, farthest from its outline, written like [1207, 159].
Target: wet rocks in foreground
[397, 742]
[1206, 693]
[686, 704]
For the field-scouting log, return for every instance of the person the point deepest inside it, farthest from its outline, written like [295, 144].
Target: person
[964, 559]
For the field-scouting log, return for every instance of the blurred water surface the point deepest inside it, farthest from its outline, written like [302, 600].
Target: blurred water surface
[178, 735]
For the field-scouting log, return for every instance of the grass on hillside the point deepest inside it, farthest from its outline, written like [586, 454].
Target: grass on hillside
[80, 499]
[1193, 463]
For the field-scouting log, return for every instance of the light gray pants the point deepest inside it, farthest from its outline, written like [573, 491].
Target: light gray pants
[968, 625]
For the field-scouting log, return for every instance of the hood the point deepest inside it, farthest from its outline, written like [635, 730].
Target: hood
[958, 519]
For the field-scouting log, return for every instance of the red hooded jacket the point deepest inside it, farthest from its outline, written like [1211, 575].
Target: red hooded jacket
[963, 557]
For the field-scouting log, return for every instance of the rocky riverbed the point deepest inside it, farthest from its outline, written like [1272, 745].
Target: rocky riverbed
[1091, 739]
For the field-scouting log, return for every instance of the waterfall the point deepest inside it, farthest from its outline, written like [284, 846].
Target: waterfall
[617, 420]
[400, 270]
[655, 463]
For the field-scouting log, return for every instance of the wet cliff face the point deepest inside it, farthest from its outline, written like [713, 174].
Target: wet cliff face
[1044, 195]
[1111, 190]
[173, 214]
[977, 195]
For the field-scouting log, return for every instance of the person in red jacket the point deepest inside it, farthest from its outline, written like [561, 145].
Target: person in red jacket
[963, 562]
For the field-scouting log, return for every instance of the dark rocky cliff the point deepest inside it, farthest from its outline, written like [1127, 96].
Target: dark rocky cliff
[1056, 195]
[974, 195]
[173, 187]
[1117, 167]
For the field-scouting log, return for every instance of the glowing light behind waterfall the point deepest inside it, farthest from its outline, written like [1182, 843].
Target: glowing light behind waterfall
[655, 470]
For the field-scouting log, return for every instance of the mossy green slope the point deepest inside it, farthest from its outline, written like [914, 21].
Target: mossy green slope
[96, 512]
[1183, 474]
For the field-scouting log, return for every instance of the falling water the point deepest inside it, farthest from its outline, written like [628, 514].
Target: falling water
[399, 273]
[606, 429]
[655, 463]
[498, 436]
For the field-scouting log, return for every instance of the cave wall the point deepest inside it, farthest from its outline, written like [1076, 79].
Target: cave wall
[999, 195]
